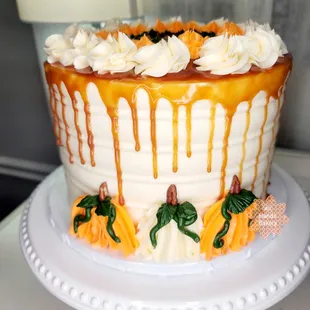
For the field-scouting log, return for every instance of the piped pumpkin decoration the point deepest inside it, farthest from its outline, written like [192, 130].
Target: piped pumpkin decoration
[226, 224]
[183, 214]
[101, 221]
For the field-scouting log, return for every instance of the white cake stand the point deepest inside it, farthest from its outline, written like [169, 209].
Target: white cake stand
[256, 283]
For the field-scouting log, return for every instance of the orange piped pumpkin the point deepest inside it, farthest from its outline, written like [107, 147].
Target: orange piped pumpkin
[220, 234]
[96, 230]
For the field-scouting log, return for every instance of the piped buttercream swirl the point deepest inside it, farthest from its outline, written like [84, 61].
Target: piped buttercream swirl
[113, 55]
[235, 54]
[157, 60]
[228, 53]
[224, 55]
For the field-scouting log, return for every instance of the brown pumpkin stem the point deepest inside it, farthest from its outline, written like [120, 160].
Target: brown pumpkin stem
[172, 197]
[103, 191]
[235, 187]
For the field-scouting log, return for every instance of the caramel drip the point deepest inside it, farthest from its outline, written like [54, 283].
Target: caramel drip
[63, 109]
[57, 117]
[78, 129]
[189, 130]
[175, 135]
[273, 140]
[154, 140]
[245, 134]
[260, 143]
[90, 136]
[110, 99]
[135, 128]
[113, 113]
[228, 122]
[73, 84]
[211, 136]
[184, 88]
[274, 135]
[129, 92]
[52, 101]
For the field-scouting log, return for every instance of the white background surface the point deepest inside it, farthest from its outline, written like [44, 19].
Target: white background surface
[19, 289]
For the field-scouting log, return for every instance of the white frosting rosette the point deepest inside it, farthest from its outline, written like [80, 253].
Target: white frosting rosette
[221, 55]
[234, 54]
[84, 41]
[72, 47]
[57, 47]
[113, 55]
[157, 60]
[263, 48]
[224, 55]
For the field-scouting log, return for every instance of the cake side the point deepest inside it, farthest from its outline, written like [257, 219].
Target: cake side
[198, 136]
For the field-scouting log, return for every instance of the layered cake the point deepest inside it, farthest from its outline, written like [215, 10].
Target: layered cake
[166, 132]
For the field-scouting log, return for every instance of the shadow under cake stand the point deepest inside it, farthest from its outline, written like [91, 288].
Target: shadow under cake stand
[256, 278]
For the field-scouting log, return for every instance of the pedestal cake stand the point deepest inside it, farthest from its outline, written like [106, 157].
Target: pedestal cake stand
[249, 280]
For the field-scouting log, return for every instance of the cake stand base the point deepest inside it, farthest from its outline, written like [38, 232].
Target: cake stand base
[256, 283]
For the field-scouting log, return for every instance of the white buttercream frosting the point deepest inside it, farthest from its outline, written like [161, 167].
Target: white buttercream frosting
[84, 41]
[221, 55]
[251, 26]
[72, 47]
[57, 48]
[224, 55]
[263, 48]
[157, 60]
[172, 245]
[113, 55]
[235, 54]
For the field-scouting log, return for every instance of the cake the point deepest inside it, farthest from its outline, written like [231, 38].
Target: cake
[166, 132]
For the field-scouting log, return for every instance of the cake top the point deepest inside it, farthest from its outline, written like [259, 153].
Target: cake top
[220, 47]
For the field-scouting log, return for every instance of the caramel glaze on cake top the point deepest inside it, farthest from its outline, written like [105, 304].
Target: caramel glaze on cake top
[229, 91]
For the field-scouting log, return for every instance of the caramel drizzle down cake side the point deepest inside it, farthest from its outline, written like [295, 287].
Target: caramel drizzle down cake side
[111, 91]
[245, 135]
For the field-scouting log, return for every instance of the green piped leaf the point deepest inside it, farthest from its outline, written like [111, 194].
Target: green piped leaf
[164, 215]
[237, 203]
[89, 201]
[111, 220]
[107, 208]
[184, 215]
[187, 212]
[218, 241]
[81, 219]
[104, 207]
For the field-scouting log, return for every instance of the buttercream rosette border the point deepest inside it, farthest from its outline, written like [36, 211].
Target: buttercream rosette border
[220, 47]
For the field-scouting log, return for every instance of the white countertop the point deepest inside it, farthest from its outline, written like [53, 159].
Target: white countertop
[20, 290]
